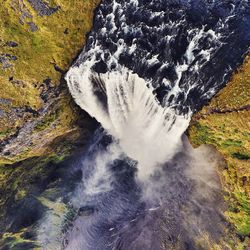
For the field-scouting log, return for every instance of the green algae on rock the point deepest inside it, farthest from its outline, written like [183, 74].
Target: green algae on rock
[225, 123]
[28, 190]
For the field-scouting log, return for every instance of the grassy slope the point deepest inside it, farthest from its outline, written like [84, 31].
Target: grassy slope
[52, 129]
[225, 123]
[58, 39]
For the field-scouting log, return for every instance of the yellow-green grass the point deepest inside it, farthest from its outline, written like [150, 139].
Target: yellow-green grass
[57, 41]
[38, 51]
[225, 123]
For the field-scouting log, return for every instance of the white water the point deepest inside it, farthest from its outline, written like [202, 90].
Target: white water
[145, 131]
[184, 186]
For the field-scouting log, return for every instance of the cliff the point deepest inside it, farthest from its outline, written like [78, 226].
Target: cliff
[225, 123]
[38, 41]
[39, 123]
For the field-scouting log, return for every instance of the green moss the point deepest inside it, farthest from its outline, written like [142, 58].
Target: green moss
[239, 213]
[5, 133]
[202, 134]
[38, 52]
[231, 142]
[241, 156]
[46, 122]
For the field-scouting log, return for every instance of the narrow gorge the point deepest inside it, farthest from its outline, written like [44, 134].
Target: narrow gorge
[153, 77]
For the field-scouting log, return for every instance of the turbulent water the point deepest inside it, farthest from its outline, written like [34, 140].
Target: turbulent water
[186, 50]
[146, 68]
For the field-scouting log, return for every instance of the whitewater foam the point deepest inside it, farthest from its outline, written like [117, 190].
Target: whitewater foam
[146, 131]
[146, 67]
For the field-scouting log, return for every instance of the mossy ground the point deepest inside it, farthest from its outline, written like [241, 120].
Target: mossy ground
[57, 40]
[225, 123]
[40, 126]
[33, 66]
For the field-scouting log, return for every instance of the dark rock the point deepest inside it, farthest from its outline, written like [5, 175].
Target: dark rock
[11, 57]
[24, 245]
[12, 44]
[58, 69]
[25, 213]
[47, 82]
[66, 31]
[42, 7]
[32, 111]
[33, 27]
[28, 235]
[7, 153]
[48, 91]
[189, 246]
[86, 211]
[44, 96]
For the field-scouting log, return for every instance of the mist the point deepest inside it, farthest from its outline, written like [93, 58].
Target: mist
[127, 108]
[117, 209]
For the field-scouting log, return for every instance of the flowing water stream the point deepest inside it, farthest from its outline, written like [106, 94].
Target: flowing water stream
[147, 66]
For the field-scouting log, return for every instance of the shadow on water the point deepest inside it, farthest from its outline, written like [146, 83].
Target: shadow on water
[170, 210]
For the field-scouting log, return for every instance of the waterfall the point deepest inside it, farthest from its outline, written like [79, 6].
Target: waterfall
[147, 66]
[121, 101]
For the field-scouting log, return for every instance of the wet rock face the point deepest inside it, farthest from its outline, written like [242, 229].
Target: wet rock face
[27, 191]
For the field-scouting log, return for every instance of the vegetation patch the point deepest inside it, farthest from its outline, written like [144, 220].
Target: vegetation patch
[229, 133]
[241, 156]
[42, 41]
